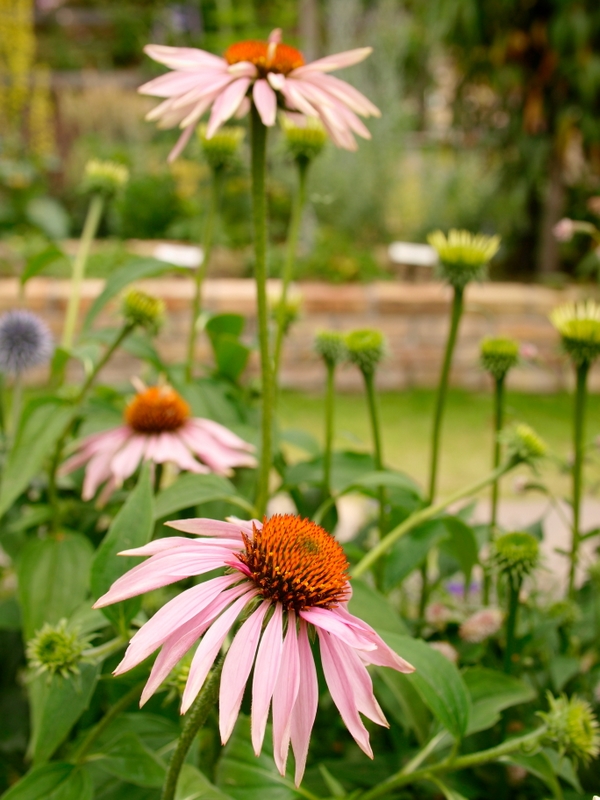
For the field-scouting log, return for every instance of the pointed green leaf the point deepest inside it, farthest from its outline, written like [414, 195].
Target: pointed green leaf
[129, 759]
[192, 490]
[539, 765]
[56, 781]
[192, 785]
[375, 609]
[491, 692]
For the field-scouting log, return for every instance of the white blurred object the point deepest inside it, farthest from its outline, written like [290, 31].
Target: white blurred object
[414, 255]
[182, 255]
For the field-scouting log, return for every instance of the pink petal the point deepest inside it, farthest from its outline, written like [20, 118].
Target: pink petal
[202, 526]
[356, 675]
[209, 647]
[243, 69]
[338, 61]
[346, 93]
[217, 456]
[296, 100]
[171, 84]
[97, 471]
[285, 694]
[265, 676]
[181, 143]
[236, 669]
[184, 57]
[177, 543]
[126, 461]
[305, 707]
[277, 80]
[265, 102]
[383, 655]
[206, 86]
[198, 110]
[227, 104]
[328, 620]
[222, 434]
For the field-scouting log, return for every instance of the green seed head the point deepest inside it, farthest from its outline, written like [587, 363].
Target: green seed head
[523, 444]
[143, 310]
[579, 327]
[516, 554]
[366, 348]
[222, 148]
[572, 727]
[498, 356]
[55, 649]
[331, 346]
[463, 256]
[291, 310]
[104, 177]
[305, 142]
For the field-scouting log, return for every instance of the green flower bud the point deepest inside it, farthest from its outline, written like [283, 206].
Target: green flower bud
[516, 554]
[523, 444]
[463, 255]
[331, 346]
[291, 310]
[565, 611]
[143, 310]
[221, 149]
[572, 727]
[104, 177]
[304, 142]
[498, 356]
[55, 649]
[579, 327]
[366, 348]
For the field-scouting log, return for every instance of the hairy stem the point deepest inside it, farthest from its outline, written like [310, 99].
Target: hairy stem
[498, 425]
[377, 447]
[514, 587]
[578, 456]
[329, 418]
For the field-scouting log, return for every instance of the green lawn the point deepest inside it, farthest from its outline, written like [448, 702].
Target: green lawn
[466, 436]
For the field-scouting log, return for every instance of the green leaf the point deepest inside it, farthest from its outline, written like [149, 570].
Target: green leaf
[401, 700]
[56, 706]
[492, 692]
[387, 478]
[192, 785]
[132, 527]
[10, 615]
[539, 765]
[244, 776]
[41, 427]
[411, 550]
[48, 215]
[346, 467]
[372, 607]
[302, 440]
[437, 681]
[562, 669]
[192, 490]
[53, 578]
[57, 781]
[231, 356]
[38, 263]
[449, 794]
[130, 760]
[334, 787]
[154, 731]
[461, 545]
[230, 324]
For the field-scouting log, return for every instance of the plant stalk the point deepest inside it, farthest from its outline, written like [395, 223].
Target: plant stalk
[329, 418]
[499, 397]
[207, 245]
[514, 587]
[90, 228]
[15, 406]
[259, 215]
[369, 377]
[578, 458]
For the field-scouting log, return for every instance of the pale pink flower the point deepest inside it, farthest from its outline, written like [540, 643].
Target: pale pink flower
[563, 231]
[446, 649]
[481, 625]
[271, 73]
[528, 351]
[158, 428]
[438, 615]
[286, 578]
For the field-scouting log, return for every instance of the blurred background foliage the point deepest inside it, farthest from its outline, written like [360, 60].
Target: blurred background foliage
[490, 121]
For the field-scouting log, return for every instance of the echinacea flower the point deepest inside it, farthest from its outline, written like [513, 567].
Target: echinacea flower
[498, 356]
[272, 73]
[579, 327]
[158, 428]
[25, 341]
[285, 580]
[463, 256]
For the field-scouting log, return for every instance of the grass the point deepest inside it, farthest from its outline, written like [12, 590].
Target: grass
[467, 433]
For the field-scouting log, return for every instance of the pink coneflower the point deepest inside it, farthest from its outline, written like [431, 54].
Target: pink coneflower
[158, 428]
[481, 625]
[272, 73]
[287, 578]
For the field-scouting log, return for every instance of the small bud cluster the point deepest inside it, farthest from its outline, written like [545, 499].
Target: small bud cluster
[304, 142]
[481, 625]
[498, 356]
[220, 151]
[56, 649]
[579, 327]
[143, 310]
[516, 554]
[104, 177]
[523, 444]
[463, 255]
[366, 348]
[25, 341]
[331, 346]
[572, 727]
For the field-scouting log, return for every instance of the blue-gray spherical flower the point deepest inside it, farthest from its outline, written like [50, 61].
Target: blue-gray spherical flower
[25, 341]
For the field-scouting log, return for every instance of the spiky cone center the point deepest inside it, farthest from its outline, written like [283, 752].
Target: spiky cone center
[463, 255]
[366, 348]
[142, 309]
[104, 176]
[498, 356]
[157, 410]
[572, 727]
[295, 562]
[266, 56]
[331, 346]
[516, 553]
[579, 327]
[55, 649]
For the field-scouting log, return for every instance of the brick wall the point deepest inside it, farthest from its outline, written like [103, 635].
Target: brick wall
[414, 318]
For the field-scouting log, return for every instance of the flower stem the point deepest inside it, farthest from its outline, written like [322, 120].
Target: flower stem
[578, 455]
[88, 235]
[514, 587]
[290, 259]
[369, 377]
[15, 406]
[194, 721]
[499, 397]
[329, 417]
[423, 515]
[112, 713]
[121, 336]
[259, 214]
[207, 244]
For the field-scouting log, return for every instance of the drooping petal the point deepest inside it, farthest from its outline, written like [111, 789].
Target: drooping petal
[202, 526]
[126, 461]
[305, 707]
[265, 102]
[285, 694]
[347, 94]
[222, 434]
[177, 542]
[382, 655]
[181, 143]
[236, 669]
[296, 100]
[356, 675]
[327, 620]
[338, 61]
[97, 471]
[173, 84]
[227, 104]
[266, 670]
[191, 58]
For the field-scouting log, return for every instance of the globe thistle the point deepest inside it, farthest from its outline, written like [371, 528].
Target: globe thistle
[25, 341]
[106, 178]
[143, 310]
[463, 256]
[579, 327]
[498, 356]
[56, 650]
[523, 445]
[331, 346]
[516, 554]
[304, 141]
[572, 727]
[366, 348]
[481, 625]
[446, 649]
[220, 151]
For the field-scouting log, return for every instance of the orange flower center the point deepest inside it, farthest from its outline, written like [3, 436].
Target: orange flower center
[296, 563]
[157, 409]
[267, 57]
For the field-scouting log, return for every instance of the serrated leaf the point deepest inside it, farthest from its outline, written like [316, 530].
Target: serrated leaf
[130, 760]
[192, 785]
[57, 781]
[192, 490]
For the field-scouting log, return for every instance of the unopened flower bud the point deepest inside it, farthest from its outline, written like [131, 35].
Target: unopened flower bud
[446, 649]
[104, 177]
[481, 625]
[572, 727]
[498, 356]
[366, 348]
[220, 151]
[143, 310]
[304, 140]
[516, 554]
[289, 313]
[579, 327]
[523, 444]
[25, 341]
[56, 649]
[463, 256]
[331, 346]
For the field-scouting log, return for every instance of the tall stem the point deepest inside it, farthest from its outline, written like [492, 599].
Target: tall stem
[498, 425]
[122, 335]
[15, 405]
[290, 259]
[329, 409]
[195, 719]
[259, 215]
[207, 244]
[578, 456]
[88, 235]
[514, 587]
[377, 447]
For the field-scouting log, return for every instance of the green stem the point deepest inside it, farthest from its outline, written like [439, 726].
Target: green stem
[107, 649]
[369, 377]
[259, 214]
[195, 719]
[498, 425]
[207, 244]
[88, 235]
[113, 712]
[329, 417]
[578, 456]
[158, 473]
[290, 259]
[423, 515]
[15, 406]
[122, 335]
[514, 587]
